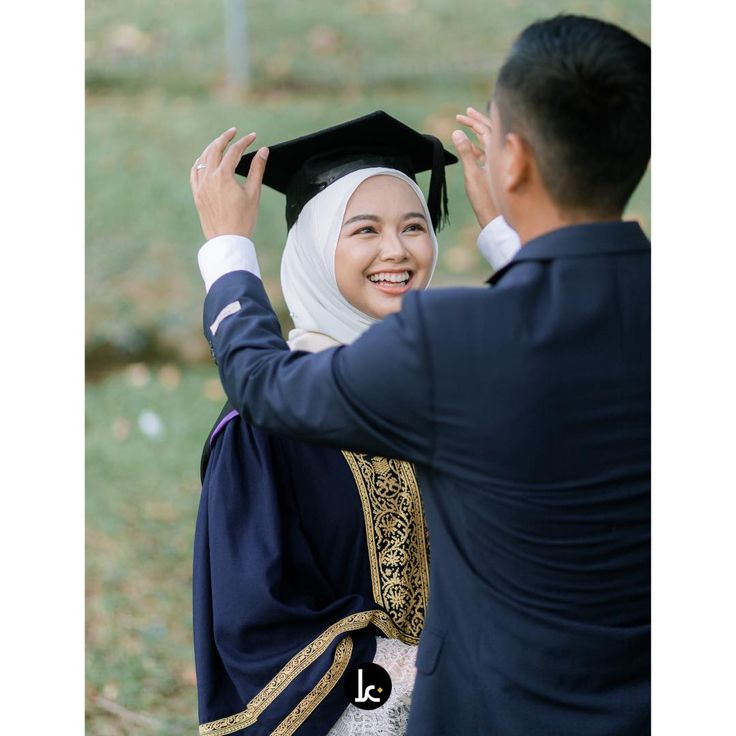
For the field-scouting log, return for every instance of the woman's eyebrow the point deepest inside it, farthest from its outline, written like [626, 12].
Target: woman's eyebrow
[373, 218]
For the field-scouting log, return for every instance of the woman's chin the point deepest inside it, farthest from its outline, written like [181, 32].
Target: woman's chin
[380, 306]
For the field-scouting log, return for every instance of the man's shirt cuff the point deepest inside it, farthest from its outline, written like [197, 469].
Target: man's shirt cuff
[498, 243]
[224, 254]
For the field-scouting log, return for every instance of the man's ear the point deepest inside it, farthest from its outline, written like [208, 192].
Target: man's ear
[518, 162]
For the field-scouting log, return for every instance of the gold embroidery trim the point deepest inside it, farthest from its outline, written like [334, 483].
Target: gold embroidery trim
[396, 537]
[297, 664]
[312, 699]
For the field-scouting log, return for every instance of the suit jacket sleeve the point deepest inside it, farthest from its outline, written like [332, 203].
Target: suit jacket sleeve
[372, 396]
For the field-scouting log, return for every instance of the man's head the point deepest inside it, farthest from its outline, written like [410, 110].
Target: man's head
[572, 116]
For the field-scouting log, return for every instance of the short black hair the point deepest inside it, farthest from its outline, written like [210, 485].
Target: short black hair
[579, 91]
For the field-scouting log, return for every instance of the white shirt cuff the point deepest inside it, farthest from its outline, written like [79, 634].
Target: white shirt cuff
[224, 254]
[498, 243]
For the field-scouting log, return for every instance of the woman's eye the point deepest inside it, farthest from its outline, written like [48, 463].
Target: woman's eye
[365, 230]
[414, 227]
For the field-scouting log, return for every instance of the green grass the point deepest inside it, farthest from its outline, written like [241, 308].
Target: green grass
[156, 96]
[141, 505]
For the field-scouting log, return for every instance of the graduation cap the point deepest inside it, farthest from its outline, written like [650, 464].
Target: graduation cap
[303, 167]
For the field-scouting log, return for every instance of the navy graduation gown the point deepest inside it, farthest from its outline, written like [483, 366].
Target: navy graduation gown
[302, 555]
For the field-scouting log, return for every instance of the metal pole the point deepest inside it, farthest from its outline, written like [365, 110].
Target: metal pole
[236, 44]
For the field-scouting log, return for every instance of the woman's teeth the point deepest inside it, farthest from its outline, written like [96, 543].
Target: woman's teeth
[393, 278]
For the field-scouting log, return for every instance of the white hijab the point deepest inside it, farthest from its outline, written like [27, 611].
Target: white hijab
[308, 280]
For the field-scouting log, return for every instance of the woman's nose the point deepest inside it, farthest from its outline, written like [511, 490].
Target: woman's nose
[392, 247]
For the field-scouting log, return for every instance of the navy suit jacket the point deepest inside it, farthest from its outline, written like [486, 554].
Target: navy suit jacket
[526, 408]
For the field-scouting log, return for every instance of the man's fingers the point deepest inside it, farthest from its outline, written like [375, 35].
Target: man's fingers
[462, 145]
[213, 153]
[195, 178]
[232, 158]
[482, 130]
[468, 152]
[479, 116]
[479, 153]
[255, 173]
[196, 166]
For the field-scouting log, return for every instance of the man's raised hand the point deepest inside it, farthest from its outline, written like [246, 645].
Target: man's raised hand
[476, 164]
[226, 206]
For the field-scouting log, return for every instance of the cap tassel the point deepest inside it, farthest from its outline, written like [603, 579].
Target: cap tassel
[437, 199]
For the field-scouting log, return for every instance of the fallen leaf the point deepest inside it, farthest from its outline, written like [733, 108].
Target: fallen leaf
[139, 375]
[111, 690]
[120, 429]
[213, 390]
[188, 676]
[323, 40]
[169, 376]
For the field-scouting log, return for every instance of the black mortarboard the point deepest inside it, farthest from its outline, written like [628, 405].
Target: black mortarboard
[303, 167]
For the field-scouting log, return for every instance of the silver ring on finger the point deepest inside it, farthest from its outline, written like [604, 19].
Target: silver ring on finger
[200, 166]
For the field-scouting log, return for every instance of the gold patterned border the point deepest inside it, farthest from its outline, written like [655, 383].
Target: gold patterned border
[312, 699]
[396, 538]
[297, 664]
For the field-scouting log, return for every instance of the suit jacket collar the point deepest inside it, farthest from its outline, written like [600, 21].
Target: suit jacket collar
[589, 239]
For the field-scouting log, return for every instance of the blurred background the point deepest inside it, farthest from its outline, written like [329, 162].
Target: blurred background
[163, 78]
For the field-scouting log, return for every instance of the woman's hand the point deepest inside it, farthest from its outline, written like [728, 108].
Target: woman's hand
[476, 164]
[225, 206]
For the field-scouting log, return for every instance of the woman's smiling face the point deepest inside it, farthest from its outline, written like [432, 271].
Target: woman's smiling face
[384, 248]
